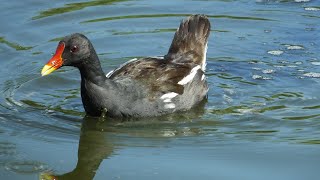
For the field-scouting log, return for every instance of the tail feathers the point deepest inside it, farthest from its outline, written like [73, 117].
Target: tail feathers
[190, 41]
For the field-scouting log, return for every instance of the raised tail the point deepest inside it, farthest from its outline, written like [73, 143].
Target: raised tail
[190, 41]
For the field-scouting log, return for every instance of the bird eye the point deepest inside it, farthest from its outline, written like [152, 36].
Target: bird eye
[74, 49]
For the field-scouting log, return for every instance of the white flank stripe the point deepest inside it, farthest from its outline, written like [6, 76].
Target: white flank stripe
[158, 57]
[190, 76]
[169, 106]
[131, 60]
[111, 72]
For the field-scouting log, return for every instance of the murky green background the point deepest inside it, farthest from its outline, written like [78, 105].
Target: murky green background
[262, 119]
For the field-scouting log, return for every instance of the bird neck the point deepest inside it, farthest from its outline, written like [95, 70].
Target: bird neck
[91, 70]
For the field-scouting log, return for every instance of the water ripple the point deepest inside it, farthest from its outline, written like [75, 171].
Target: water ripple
[74, 7]
[174, 15]
[28, 167]
[14, 45]
[7, 149]
[263, 74]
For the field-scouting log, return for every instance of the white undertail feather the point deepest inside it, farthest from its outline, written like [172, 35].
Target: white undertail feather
[203, 77]
[190, 76]
[167, 98]
[204, 60]
[169, 95]
[170, 106]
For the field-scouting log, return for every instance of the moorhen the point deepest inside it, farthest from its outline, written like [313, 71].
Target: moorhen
[142, 87]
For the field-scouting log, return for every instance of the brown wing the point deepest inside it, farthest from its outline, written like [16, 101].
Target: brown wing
[156, 74]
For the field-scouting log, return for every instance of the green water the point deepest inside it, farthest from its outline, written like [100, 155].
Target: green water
[261, 121]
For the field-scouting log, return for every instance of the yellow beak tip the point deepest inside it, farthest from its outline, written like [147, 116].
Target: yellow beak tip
[47, 70]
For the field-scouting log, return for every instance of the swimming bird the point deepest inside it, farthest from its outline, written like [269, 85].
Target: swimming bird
[142, 87]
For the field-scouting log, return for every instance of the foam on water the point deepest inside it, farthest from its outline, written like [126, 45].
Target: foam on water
[26, 166]
[268, 71]
[316, 63]
[312, 8]
[275, 52]
[255, 76]
[294, 47]
[312, 74]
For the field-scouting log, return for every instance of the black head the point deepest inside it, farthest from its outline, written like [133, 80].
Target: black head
[73, 50]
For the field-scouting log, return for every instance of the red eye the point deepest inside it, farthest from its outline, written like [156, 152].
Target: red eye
[74, 49]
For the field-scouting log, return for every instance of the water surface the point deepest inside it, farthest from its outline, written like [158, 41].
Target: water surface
[261, 120]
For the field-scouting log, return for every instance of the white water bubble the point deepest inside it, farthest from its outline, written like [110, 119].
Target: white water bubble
[312, 74]
[312, 9]
[268, 71]
[275, 52]
[168, 133]
[227, 99]
[255, 76]
[301, 1]
[316, 63]
[26, 167]
[294, 47]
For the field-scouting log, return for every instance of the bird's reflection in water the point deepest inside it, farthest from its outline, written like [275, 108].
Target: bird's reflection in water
[97, 134]
[94, 146]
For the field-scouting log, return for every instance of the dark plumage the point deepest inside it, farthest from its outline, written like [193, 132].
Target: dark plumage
[141, 87]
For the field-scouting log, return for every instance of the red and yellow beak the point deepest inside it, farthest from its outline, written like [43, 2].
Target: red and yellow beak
[55, 62]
